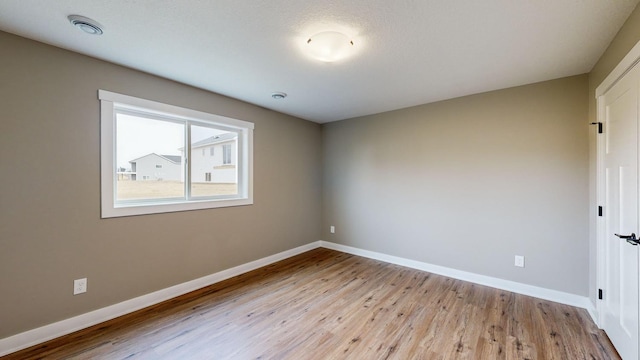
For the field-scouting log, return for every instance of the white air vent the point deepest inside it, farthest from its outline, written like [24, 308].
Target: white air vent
[85, 24]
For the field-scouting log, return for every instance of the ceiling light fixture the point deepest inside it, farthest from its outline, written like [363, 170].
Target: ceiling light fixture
[85, 24]
[329, 46]
[279, 95]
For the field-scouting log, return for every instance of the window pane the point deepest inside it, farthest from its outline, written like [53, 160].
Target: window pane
[148, 150]
[211, 174]
[149, 158]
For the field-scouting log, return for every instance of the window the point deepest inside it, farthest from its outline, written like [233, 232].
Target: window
[138, 134]
[226, 154]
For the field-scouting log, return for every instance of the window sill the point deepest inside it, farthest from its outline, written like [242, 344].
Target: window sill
[135, 209]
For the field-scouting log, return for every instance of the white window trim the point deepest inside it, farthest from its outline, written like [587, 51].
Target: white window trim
[108, 167]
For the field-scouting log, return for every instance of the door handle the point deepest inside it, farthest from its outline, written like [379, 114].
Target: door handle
[631, 239]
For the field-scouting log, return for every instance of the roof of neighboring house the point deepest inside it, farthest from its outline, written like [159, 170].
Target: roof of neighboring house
[214, 139]
[176, 159]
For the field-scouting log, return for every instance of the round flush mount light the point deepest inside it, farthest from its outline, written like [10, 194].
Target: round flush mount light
[85, 24]
[329, 46]
[279, 95]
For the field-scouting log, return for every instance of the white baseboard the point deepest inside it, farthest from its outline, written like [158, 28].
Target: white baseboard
[512, 286]
[48, 332]
[593, 312]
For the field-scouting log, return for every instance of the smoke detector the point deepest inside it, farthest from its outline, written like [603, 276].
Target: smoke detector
[85, 24]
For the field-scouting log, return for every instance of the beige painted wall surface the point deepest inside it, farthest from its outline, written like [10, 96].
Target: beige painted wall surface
[50, 226]
[624, 41]
[469, 183]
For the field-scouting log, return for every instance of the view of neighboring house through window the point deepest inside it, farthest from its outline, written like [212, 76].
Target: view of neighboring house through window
[208, 177]
[142, 157]
[151, 170]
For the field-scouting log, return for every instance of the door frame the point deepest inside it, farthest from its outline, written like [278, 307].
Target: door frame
[628, 62]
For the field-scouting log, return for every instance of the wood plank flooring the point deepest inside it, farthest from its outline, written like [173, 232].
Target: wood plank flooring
[325, 304]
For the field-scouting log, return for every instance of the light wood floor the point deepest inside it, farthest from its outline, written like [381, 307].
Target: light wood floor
[329, 305]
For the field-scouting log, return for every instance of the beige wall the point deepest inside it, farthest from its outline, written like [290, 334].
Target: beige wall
[50, 226]
[469, 183]
[624, 41]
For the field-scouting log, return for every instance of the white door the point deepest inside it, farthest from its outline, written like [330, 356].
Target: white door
[620, 306]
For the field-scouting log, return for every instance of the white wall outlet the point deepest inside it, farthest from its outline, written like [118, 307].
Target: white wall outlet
[79, 286]
[519, 261]
[332, 229]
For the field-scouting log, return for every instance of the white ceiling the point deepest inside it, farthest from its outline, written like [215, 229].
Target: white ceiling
[408, 52]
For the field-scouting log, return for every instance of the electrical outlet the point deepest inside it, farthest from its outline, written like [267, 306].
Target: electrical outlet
[79, 286]
[519, 261]
[332, 229]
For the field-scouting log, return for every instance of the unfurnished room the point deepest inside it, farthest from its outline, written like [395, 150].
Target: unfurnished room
[319, 179]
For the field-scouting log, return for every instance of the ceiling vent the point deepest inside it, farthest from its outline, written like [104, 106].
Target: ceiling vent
[85, 24]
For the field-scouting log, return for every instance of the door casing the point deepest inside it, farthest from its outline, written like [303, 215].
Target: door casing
[628, 62]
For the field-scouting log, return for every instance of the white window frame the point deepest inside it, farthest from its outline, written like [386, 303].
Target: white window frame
[110, 101]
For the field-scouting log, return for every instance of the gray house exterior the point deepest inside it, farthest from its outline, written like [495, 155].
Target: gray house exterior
[154, 167]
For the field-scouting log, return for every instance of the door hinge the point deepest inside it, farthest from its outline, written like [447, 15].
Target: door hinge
[599, 294]
[599, 210]
[600, 131]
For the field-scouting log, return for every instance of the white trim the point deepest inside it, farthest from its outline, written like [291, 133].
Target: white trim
[600, 200]
[48, 332]
[627, 63]
[107, 156]
[593, 312]
[176, 111]
[507, 285]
